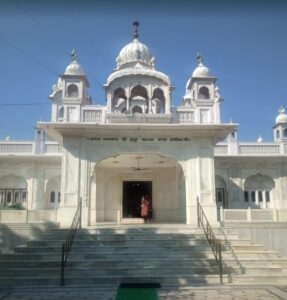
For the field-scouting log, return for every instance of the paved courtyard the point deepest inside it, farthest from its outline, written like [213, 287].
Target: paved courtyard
[196, 293]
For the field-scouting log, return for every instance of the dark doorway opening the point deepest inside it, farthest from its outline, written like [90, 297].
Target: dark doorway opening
[132, 194]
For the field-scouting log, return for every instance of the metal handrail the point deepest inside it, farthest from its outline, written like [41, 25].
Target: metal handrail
[214, 243]
[67, 245]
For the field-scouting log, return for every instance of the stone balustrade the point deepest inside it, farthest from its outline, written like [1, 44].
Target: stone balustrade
[16, 147]
[253, 215]
[250, 149]
[93, 115]
[138, 118]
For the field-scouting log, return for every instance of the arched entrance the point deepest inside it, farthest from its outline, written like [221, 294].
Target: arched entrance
[120, 181]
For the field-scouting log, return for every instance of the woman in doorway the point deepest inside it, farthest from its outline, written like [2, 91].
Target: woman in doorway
[145, 208]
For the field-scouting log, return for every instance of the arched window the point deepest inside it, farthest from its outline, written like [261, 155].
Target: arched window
[203, 93]
[139, 90]
[277, 134]
[285, 132]
[17, 197]
[260, 196]
[61, 112]
[24, 196]
[253, 196]
[246, 196]
[9, 197]
[158, 101]
[52, 197]
[73, 90]
[267, 198]
[137, 109]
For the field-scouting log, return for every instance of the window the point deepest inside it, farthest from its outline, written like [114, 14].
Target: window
[137, 109]
[61, 112]
[203, 93]
[285, 132]
[17, 197]
[24, 196]
[277, 134]
[260, 196]
[246, 196]
[52, 197]
[267, 196]
[59, 196]
[253, 196]
[73, 90]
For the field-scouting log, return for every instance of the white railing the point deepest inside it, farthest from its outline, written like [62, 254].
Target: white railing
[253, 215]
[16, 147]
[27, 216]
[255, 149]
[52, 148]
[138, 118]
[93, 116]
[221, 150]
[185, 117]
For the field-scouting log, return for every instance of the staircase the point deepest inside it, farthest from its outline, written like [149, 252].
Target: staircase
[255, 264]
[173, 255]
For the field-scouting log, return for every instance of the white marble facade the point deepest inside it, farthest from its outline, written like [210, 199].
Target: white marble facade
[140, 143]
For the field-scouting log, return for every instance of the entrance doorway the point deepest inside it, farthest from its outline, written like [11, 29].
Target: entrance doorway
[132, 194]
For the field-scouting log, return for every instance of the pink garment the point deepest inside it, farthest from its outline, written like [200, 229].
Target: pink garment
[144, 208]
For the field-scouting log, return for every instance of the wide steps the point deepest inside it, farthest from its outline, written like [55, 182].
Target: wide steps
[169, 255]
[114, 280]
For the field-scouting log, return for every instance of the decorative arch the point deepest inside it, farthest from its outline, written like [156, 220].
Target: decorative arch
[158, 101]
[277, 134]
[221, 192]
[138, 167]
[139, 90]
[53, 192]
[258, 190]
[73, 90]
[137, 109]
[259, 182]
[203, 93]
[61, 112]
[119, 100]
[13, 190]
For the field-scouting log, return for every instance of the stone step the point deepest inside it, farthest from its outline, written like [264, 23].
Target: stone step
[260, 254]
[251, 262]
[250, 247]
[112, 281]
[259, 279]
[117, 242]
[118, 249]
[88, 272]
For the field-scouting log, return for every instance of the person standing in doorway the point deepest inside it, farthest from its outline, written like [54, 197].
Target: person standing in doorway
[149, 214]
[144, 208]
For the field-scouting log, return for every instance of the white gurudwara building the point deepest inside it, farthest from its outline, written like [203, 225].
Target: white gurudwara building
[140, 143]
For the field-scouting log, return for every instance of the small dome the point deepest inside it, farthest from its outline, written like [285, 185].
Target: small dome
[74, 68]
[260, 139]
[282, 117]
[201, 71]
[135, 52]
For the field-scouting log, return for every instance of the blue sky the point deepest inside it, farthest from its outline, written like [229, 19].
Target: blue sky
[243, 44]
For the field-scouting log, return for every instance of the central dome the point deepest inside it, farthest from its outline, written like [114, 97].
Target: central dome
[135, 52]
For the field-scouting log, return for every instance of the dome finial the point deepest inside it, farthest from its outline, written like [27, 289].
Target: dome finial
[73, 55]
[281, 110]
[136, 24]
[199, 58]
